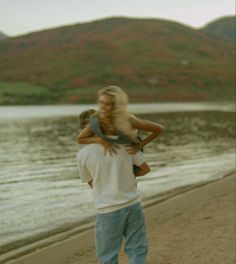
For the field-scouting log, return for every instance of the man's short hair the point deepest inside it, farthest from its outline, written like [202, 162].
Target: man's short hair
[85, 116]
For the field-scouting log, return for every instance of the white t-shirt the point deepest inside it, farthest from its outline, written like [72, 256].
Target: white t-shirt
[114, 184]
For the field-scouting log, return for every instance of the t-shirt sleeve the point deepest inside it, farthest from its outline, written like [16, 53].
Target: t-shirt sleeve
[138, 158]
[84, 173]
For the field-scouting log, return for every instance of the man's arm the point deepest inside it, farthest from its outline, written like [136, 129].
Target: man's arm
[143, 169]
[84, 173]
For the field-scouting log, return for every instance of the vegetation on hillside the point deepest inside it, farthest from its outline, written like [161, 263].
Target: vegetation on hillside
[153, 60]
[3, 36]
[223, 28]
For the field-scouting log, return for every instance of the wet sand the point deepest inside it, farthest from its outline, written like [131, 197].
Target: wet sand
[195, 227]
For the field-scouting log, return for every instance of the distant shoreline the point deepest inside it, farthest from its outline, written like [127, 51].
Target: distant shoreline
[71, 110]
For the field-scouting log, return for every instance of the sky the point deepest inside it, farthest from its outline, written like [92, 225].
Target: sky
[18, 17]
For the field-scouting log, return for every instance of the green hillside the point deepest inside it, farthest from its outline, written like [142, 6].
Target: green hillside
[2, 36]
[223, 28]
[153, 60]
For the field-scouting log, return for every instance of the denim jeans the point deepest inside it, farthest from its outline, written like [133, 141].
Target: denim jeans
[110, 229]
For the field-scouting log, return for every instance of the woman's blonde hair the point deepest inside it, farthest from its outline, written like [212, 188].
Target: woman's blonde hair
[120, 115]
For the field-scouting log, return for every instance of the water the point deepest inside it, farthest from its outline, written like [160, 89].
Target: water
[40, 189]
[7, 112]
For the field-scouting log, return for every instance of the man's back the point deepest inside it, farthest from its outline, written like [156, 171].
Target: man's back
[114, 183]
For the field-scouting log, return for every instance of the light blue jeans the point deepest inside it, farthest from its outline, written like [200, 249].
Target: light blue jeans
[110, 229]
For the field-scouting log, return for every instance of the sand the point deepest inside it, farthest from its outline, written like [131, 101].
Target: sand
[195, 227]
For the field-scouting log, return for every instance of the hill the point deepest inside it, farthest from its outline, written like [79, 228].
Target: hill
[223, 28]
[153, 60]
[3, 36]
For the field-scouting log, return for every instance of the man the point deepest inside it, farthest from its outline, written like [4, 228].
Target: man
[117, 201]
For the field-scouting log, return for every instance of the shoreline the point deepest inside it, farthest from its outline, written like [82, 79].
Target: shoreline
[53, 242]
[42, 111]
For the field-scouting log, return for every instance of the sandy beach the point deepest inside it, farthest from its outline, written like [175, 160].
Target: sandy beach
[195, 227]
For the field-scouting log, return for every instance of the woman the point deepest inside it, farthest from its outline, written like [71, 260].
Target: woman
[114, 119]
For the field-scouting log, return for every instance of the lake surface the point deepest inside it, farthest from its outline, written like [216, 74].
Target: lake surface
[40, 189]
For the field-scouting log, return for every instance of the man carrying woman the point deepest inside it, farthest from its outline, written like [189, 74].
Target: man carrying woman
[106, 163]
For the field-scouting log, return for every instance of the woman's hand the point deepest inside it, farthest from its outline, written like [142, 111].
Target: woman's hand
[86, 136]
[108, 147]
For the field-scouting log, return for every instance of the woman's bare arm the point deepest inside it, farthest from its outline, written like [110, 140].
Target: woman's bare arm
[86, 136]
[146, 125]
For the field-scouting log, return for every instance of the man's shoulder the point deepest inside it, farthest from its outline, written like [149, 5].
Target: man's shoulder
[87, 149]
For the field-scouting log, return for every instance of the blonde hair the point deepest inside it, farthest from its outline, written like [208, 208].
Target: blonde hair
[120, 115]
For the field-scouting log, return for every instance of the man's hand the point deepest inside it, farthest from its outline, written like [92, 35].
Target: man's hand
[134, 148]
